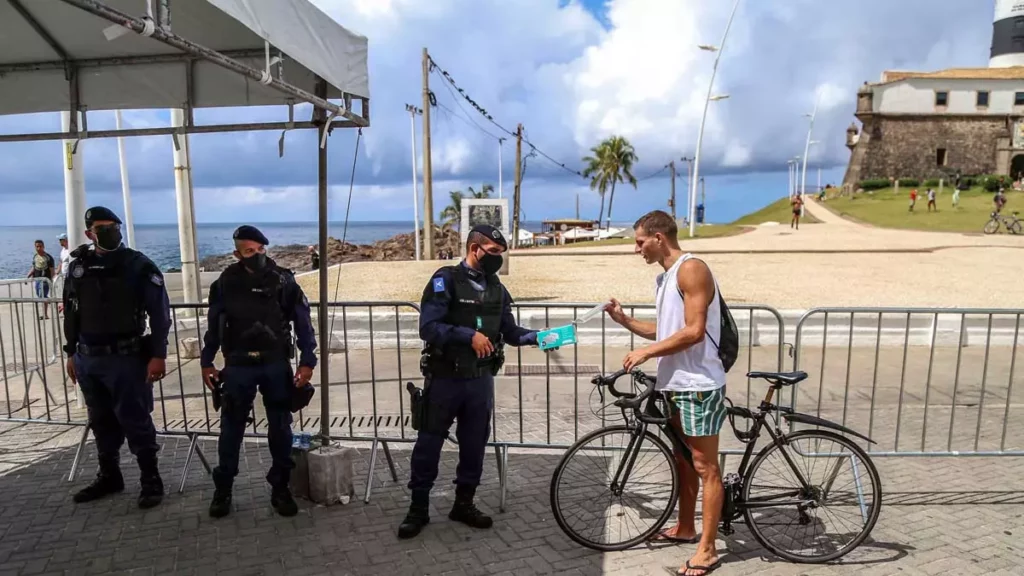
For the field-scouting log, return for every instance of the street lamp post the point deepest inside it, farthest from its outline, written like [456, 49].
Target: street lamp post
[413, 111]
[807, 148]
[700, 134]
[500, 141]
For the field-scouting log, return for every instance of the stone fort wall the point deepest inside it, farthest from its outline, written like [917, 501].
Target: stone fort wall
[907, 146]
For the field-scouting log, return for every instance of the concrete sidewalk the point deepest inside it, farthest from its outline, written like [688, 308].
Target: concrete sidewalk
[940, 516]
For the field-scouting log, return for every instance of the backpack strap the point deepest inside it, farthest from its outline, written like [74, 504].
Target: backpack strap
[718, 295]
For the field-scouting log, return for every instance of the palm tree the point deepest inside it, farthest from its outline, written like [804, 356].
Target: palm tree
[452, 213]
[612, 162]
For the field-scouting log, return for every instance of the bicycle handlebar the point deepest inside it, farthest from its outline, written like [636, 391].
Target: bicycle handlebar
[628, 400]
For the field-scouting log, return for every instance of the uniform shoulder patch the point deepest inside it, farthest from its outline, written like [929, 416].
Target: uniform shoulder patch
[156, 279]
[438, 283]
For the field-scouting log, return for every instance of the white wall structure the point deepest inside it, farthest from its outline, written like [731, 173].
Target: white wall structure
[471, 217]
[918, 96]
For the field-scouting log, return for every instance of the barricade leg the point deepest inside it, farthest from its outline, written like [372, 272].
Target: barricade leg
[78, 454]
[369, 473]
[860, 489]
[501, 455]
[193, 445]
[390, 460]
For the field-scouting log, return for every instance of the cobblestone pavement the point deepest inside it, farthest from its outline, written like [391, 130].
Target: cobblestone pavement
[949, 516]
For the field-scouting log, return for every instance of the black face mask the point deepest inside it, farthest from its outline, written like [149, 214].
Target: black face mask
[108, 237]
[256, 262]
[490, 263]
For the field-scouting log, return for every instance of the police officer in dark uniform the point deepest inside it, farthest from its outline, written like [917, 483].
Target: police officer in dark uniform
[252, 305]
[465, 320]
[109, 292]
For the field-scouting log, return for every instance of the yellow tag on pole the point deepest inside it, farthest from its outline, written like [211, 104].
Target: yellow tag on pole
[68, 158]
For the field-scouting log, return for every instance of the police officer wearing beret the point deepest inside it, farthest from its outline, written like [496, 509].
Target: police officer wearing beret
[252, 305]
[465, 320]
[109, 293]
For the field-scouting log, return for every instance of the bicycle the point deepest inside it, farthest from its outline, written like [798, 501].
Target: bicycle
[1012, 223]
[799, 504]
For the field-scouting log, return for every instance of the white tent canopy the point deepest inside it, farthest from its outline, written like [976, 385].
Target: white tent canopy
[55, 55]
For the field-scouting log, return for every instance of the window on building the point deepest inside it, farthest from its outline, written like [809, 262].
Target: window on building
[940, 157]
[941, 98]
[1018, 99]
[982, 99]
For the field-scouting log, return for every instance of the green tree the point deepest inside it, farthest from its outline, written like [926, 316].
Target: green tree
[451, 216]
[611, 162]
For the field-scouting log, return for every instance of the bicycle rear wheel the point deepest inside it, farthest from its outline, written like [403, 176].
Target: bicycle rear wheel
[595, 515]
[1015, 227]
[836, 513]
[992, 226]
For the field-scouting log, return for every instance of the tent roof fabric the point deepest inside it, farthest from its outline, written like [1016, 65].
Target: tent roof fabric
[135, 72]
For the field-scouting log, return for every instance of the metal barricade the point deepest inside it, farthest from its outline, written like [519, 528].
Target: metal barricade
[918, 381]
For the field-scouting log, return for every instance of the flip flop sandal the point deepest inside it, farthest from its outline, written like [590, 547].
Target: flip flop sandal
[664, 537]
[707, 569]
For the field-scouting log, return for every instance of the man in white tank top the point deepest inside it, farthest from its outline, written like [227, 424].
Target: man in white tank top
[690, 375]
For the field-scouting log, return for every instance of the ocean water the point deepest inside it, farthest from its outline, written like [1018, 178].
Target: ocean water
[160, 241]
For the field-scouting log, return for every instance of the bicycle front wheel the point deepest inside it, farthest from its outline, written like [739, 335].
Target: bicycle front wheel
[599, 505]
[813, 497]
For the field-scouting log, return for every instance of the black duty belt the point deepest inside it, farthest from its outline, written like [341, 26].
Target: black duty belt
[253, 358]
[120, 348]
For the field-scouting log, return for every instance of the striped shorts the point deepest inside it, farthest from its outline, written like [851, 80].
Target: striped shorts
[700, 413]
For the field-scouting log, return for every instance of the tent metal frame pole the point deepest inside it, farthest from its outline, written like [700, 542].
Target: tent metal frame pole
[138, 26]
[195, 129]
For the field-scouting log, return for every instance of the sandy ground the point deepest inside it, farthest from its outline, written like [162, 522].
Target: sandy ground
[835, 263]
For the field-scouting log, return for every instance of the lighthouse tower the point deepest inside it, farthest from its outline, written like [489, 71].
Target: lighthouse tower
[1008, 34]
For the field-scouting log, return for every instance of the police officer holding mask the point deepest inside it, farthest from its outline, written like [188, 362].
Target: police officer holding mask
[465, 320]
[252, 305]
[109, 292]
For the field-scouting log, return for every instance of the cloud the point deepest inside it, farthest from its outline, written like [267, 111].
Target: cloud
[570, 72]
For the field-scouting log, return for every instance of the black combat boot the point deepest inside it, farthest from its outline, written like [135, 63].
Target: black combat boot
[152, 492]
[221, 504]
[465, 510]
[108, 481]
[418, 516]
[282, 501]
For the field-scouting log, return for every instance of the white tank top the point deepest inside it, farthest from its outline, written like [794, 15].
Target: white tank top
[698, 368]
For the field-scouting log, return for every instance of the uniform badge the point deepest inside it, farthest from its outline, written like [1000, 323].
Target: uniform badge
[77, 272]
[156, 279]
[438, 284]
[496, 234]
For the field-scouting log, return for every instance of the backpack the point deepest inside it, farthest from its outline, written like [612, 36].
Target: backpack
[729, 342]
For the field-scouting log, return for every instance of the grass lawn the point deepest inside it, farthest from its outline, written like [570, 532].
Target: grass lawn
[779, 211]
[886, 209]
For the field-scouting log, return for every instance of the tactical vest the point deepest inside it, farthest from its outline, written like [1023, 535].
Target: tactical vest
[254, 327]
[107, 291]
[480, 311]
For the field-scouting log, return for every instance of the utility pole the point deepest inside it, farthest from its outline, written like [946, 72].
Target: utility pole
[428, 185]
[689, 176]
[577, 205]
[519, 185]
[672, 199]
[500, 142]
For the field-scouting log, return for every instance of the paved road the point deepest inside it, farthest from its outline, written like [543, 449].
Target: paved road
[949, 516]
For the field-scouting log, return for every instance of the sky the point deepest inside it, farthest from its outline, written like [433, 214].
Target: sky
[572, 72]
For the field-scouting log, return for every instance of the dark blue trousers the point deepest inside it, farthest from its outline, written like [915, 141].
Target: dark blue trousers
[468, 401]
[274, 382]
[120, 404]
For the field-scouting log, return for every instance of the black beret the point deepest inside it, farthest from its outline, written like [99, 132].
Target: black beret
[250, 233]
[99, 213]
[492, 233]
